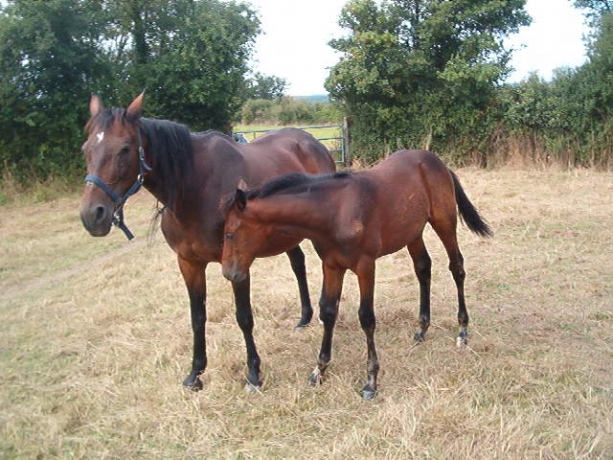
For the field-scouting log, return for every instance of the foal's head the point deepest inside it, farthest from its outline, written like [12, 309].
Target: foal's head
[243, 237]
[246, 234]
[262, 222]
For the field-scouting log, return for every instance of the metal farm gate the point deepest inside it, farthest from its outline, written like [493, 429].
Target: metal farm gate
[334, 137]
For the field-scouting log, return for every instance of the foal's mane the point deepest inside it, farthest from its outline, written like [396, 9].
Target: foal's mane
[294, 183]
[288, 184]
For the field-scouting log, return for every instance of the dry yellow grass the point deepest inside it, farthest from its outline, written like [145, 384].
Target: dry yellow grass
[95, 342]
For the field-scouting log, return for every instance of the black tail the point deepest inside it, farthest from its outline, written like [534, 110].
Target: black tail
[468, 213]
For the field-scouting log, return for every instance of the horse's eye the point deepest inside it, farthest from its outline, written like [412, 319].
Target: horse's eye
[229, 236]
[125, 150]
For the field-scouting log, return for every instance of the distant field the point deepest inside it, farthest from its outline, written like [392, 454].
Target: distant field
[95, 341]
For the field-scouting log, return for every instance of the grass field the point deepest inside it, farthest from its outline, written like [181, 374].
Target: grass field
[95, 341]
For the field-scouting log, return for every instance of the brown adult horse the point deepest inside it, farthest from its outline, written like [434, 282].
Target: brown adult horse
[189, 173]
[353, 219]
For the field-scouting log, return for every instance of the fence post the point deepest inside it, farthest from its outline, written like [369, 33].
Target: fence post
[346, 142]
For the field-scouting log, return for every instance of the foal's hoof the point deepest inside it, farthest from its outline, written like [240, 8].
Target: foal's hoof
[368, 393]
[192, 384]
[251, 388]
[461, 341]
[301, 326]
[419, 337]
[315, 379]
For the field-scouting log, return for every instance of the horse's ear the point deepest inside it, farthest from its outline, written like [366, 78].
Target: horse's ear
[240, 199]
[95, 105]
[135, 109]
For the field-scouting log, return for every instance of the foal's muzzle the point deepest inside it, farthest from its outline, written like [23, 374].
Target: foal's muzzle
[233, 273]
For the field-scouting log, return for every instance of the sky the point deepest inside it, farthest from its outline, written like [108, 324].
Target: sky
[294, 42]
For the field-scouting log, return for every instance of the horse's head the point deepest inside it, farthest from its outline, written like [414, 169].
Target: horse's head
[115, 165]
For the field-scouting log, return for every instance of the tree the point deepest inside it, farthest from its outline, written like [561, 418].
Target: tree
[48, 60]
[191, 55]
[589, 96]
[594, 9]
[266, 87]
[417, 72]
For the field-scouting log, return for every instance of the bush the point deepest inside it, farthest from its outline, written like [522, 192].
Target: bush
[289, 111]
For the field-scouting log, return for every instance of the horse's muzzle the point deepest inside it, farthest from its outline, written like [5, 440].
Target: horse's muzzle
[97, 219]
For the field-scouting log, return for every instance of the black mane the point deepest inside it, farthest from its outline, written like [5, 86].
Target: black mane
[170, 147]
[285, 185]
[294, 183]
[170, 152]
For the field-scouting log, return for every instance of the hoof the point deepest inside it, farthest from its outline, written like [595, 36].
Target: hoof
[251, 388]
[368, 393]
[315, 379]
[194, 384]
[419, 337]
[461, 342]
[301, 326]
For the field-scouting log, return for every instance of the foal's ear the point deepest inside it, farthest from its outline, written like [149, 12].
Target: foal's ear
[135, 109]
[95, 105]
[242, 185]
[240, 200]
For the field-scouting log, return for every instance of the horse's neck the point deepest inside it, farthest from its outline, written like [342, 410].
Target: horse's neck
[307, 218]
[201, 189]
[156, 188]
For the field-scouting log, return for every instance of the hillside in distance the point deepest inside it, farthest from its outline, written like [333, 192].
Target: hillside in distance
[314, 98]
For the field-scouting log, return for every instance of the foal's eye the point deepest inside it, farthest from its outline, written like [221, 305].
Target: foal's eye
[229, 236]
[125, 150]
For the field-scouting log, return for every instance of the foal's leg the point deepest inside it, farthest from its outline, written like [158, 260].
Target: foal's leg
[244, 318]
[447, 234]
[195, 281]
[366, 313]
[422, 265]
[328, 312]
[296, 257]
[456, 265]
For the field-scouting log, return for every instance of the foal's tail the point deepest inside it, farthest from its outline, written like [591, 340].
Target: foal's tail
[468, 213]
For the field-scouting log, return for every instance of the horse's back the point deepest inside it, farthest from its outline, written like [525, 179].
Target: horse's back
[411, 187]
[287, 150]
[412, 168]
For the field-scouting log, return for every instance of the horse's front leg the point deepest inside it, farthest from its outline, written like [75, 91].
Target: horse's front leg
[244, 317]
[366, 313]
[296, 257]
[328, 312]
[195, 281]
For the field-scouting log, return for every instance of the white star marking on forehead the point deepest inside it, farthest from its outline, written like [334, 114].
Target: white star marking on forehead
[100, 136]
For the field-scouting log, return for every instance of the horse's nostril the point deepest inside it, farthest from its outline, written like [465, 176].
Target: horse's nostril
[99, 214]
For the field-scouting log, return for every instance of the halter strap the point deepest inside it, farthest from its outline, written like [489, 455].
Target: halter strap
[119, 201]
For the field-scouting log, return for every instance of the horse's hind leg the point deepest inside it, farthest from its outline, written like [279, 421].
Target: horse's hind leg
[366, 313]
[423, 269]
[447, 234]
[296, 257]
[456, 265]
[328, 312]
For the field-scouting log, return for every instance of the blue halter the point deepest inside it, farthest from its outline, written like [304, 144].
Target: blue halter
[119, 201]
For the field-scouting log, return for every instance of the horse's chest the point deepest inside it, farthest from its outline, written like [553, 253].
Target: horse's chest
[193, 242]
